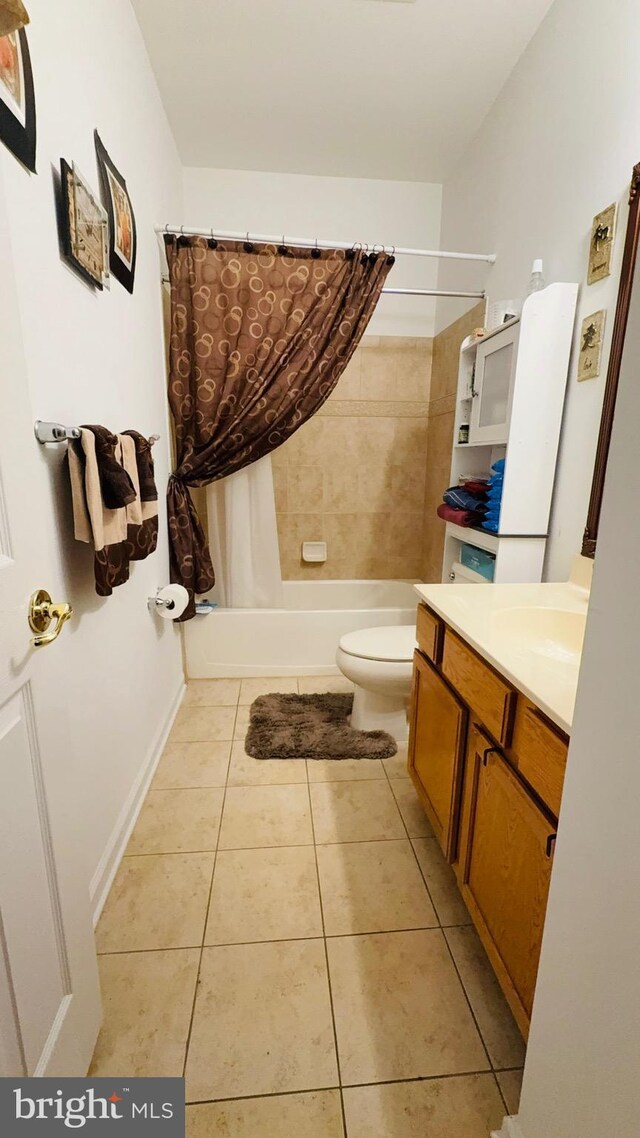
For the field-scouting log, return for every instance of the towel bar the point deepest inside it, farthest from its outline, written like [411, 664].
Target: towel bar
[58, 433]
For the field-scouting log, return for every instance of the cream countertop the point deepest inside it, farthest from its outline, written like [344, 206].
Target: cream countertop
[531, 634]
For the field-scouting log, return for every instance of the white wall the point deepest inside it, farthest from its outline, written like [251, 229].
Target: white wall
[98, 357]
[581, 1076]
[342, 209]
[557, 147]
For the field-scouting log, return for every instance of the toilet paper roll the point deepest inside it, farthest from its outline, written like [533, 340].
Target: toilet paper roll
[177, 598]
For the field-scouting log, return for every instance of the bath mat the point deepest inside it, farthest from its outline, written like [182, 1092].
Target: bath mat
[311, 727]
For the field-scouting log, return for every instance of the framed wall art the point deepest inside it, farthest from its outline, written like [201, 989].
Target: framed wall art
[123, 239]
[17, 99]
[84, 228]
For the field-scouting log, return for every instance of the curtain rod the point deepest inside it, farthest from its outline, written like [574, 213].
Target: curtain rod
[412, 292]
[313, 243]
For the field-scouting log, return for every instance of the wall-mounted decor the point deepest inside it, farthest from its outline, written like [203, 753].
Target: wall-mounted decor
[84, 228]
[17, 99]
[603, 233]
[13, 15]
[591, 337]
[123, 240]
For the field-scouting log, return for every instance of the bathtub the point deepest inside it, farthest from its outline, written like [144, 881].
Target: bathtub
[300, 638]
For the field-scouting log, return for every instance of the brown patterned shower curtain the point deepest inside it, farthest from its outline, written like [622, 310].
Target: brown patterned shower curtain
[260, 335]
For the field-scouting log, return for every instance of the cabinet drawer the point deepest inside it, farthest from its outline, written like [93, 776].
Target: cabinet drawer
[540, 753]
[486, 693]
[430, 631]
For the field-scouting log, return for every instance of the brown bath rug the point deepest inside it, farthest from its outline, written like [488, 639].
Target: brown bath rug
[311, 727]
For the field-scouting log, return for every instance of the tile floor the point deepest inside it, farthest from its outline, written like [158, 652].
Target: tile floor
[288, 936]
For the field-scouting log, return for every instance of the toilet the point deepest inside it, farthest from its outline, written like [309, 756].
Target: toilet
[379, 661]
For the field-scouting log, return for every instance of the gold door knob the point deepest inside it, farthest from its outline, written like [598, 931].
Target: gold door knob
[42, 612]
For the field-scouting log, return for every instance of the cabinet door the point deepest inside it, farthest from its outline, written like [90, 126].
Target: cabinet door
[436, 751]
[507, 858]
[493, 387]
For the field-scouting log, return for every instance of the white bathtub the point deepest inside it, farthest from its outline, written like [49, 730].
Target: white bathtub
[302, 637]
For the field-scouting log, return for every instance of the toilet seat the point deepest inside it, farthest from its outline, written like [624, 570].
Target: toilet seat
[393, 643]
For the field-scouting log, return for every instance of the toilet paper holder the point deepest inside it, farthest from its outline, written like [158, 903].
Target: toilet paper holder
[158, 602]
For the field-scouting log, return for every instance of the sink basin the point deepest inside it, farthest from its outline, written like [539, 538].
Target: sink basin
[551, 632]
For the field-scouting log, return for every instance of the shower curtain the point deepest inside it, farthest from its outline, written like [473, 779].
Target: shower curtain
[259, 338]
[244, 538]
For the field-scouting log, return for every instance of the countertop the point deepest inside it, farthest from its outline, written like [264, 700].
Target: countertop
[531, 634]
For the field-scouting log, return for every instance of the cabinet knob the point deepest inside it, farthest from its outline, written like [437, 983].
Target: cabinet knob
[551, 841]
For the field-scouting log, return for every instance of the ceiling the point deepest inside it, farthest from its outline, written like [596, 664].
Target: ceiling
[349, 88]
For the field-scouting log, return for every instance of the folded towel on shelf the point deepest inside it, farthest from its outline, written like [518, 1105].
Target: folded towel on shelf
[100, 464]
[459, 517]
[460, 498]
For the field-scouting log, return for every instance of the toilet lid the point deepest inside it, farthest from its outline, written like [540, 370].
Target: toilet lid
[391, 642]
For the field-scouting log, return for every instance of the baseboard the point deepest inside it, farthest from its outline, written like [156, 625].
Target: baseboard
[107, 867]
[509, 1128]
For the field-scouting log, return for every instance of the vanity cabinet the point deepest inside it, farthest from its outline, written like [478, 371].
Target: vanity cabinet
[438, 734]
[488, 768]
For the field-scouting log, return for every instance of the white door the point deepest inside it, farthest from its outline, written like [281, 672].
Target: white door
[49, 995]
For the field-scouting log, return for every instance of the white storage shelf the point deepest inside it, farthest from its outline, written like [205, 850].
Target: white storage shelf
[542, 337]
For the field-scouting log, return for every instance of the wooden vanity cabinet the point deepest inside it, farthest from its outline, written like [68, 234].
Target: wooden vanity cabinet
[492, 793]
[436, 752]
[506, 854]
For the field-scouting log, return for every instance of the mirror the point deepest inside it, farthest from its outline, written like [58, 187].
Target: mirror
[613, 372]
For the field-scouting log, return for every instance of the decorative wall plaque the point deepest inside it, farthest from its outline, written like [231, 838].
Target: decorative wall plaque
[603, 233]
[591, 337]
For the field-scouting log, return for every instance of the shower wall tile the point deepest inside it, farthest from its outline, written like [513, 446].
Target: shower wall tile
[305, 488]
[355, 475]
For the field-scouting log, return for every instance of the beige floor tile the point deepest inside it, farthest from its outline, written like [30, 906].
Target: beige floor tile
[396, 767]
[192, 764]
[312, 685]
[245, 771]
[157, 901]
[400, 1009]
[354, 812]
[265, 894]
[314, 1115]
[468, 1106]
[511, 1085]
[266, 685]
[415, 819]
[441, 883]
[501, 1036]
[178, 821]
[203, 725]
[212, 693]
[242, 722]
[262, 1022]
[344, 770]
[370, 887]
[148, 999]
[266, 816]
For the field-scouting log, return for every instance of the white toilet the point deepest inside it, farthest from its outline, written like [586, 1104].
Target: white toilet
[379, 662]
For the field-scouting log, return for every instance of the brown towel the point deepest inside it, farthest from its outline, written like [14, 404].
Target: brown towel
[126, 533]
[115, 482]
[142, 529]
[144, 459]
